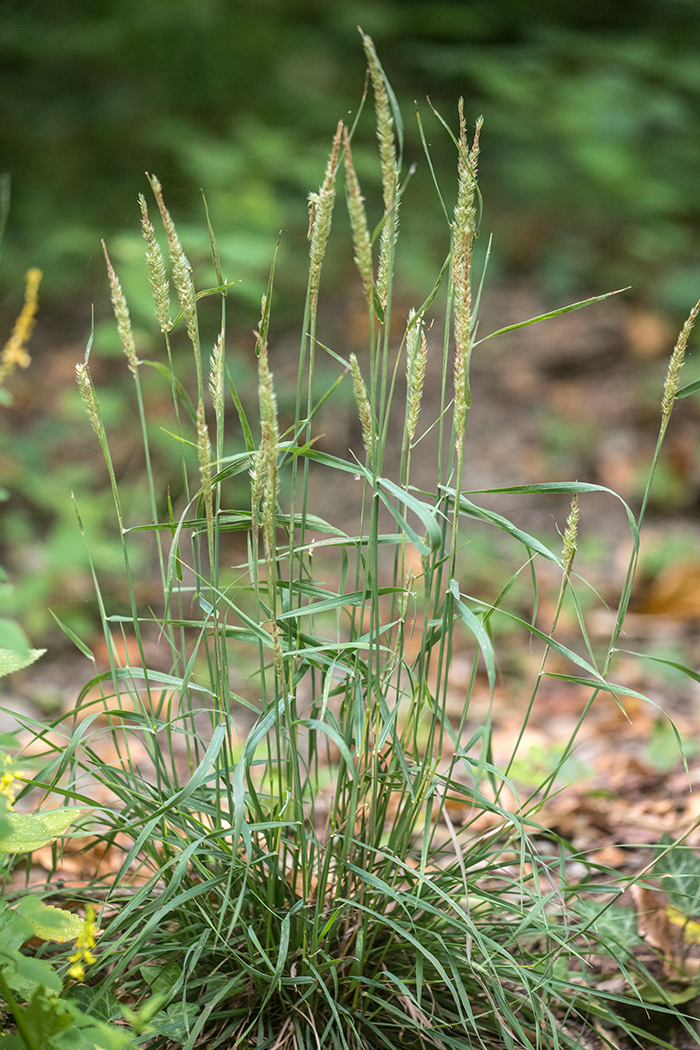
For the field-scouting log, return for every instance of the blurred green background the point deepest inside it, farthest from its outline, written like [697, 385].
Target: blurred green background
[591, 146]
[589, 173]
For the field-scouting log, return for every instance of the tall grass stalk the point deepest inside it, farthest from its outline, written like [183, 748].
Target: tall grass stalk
[314, 850]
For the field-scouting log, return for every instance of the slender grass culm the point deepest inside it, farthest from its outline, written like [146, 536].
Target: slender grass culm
[314, 852]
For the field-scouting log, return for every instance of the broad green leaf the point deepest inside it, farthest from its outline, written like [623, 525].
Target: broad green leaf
[11, 661]
[49, 923]
[31, 831]
[679, 873]
[25, 974]
[14, 930]
[56, 1024]
[161, 979]
[613, 925]
[13, 637]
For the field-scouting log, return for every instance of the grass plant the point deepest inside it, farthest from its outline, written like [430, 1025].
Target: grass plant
[312, 851]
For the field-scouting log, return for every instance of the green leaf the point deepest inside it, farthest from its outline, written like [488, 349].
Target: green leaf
[182, 394]
[57, 1024]
[13, 637]
[14, 930]
[378, 308]
[612, 925]
[161, 979]
[11, 661]
[49, 923]
[474, 624]
[323, 727]
[688, 389]
[25, 974]
[84, 649]
[552, 313]
[679, 873]
[31, 831]
[423, 511]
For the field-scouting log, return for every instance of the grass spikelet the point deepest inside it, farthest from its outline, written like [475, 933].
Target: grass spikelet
[14, 354]
[181, 269]
[464, 231]
[416, 360]
[216, 376]
[385, 126]
[204, 456]
[257, 472]
[157, 274]
[265, 490]
[320, 216]
[390, 171]
[87, 392]
[121, 312]
[570, 536]
[269, 442]
[674, 367]
[358, 221]
[364, 408]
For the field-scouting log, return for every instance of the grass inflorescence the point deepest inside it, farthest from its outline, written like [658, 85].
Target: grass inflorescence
[313, 851]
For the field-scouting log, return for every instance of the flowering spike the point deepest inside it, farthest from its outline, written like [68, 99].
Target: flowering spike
[14, 354]
[121, 312]
[156, 268]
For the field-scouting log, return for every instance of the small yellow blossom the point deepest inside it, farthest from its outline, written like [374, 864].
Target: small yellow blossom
[85, 942]
[7, 780]
[7, 790]
[14, 354]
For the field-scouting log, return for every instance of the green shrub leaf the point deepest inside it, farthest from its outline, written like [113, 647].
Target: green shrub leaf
[31, 831]
[11, 661]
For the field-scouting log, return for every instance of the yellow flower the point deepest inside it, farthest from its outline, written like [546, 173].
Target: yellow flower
[85, 942]
[7, 780]
[14, 354]
[7, 790]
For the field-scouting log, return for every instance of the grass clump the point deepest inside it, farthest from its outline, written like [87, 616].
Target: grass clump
[311, 849]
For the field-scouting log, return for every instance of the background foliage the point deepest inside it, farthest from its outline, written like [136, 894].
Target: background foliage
[591, 149]
[592, 122]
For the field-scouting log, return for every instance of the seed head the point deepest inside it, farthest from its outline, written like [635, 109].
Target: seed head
[416, 361]
[216, 376]
[464, 231]
[363, 406]
[320, 216]
[87, 392]
[14, 354]
[570, 536]
[157, 274]
[181, 269]
[389, 166]
[269, 443]
[121, 312]
[358, 221]
[674, 366]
